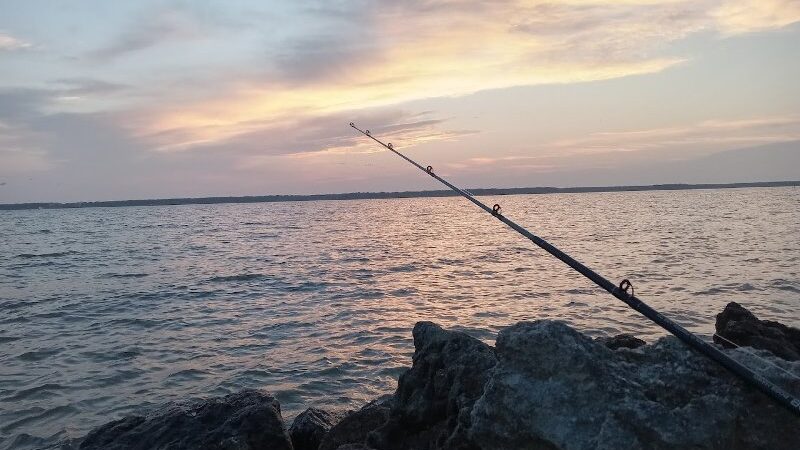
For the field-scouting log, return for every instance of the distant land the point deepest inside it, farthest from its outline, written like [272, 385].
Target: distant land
[389, 195]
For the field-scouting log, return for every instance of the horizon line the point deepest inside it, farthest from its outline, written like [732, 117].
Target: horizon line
[379, 195]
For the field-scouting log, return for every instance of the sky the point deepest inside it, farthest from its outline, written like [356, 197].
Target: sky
[120, 100]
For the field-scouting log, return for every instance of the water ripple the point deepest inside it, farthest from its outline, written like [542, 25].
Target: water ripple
[114, 310]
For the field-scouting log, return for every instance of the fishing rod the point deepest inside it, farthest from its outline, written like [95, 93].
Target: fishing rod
[623, 291]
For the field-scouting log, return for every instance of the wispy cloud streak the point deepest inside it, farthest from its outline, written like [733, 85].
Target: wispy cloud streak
[10, 43]
[693, 139]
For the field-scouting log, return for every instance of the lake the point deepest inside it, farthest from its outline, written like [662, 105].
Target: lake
[108, 311]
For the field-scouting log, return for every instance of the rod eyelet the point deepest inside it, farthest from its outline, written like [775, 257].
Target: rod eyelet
[625, 286]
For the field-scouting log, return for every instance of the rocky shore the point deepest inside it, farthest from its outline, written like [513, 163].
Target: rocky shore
[543, 385]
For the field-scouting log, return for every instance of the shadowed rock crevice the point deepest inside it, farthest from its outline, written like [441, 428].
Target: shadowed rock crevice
[311, 426]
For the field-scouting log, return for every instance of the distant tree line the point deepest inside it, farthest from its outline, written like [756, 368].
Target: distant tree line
[387, 195]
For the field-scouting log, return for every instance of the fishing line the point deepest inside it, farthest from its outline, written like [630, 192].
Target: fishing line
[765, 361]
[623, 291]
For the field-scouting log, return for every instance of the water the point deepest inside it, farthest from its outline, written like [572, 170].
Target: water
[108, 311]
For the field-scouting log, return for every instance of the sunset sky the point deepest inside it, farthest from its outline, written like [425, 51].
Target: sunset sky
[105, 100]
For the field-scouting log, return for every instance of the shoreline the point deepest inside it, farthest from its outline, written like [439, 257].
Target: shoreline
[387, 195]
[543, 385]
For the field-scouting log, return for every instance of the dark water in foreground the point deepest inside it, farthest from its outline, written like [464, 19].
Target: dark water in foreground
[104, 312]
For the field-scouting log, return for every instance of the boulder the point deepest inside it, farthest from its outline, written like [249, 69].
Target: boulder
[311, 426]
[621, 341]
[739, 326]
[434, 398]
[246, 420]
[351, 432]
[555, 388]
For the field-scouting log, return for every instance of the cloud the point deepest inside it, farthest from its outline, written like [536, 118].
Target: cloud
[17, 153]
[311, 59]
[685, 141]
[318, 135]
[76, 156]
[357, 55]
[11, 43]
[35, 138]
[19, 104]
[621, 31]
[80, 87]
[746, 16]
[180, 22]
[362, 61]
[367, 55]
[769, 162]
[82, 156]
[20, 144]
[628, 149]
[157, 27]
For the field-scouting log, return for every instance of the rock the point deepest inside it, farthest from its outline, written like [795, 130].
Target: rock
[621, 341]
[740, 326]
[353, 429]
[544, 386]
[310, 427]
[246, 420]
[434, 398]
[554, 388]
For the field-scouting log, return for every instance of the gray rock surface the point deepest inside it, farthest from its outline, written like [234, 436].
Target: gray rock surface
[311, 426]
[621, 341]
[351, 432]
[740, 326]
[246, 420]
[434, 398]
[547, 386]
[544, 386]
[553, 387]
